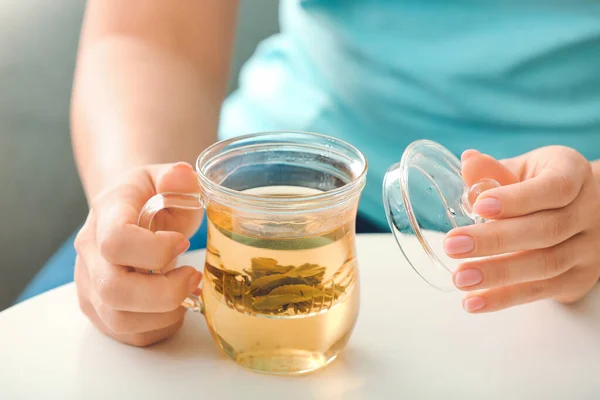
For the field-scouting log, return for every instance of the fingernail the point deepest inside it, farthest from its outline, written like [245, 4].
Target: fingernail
[473, 304]
[459, 244]
[195, 281]
[182, 247]
[182, 164]
[487, 206]
[468, 277]
[468, 154]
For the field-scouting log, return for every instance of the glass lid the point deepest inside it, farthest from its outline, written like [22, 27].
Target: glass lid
[425, 197]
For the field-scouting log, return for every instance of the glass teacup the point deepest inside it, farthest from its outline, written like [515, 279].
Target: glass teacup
[280, 291]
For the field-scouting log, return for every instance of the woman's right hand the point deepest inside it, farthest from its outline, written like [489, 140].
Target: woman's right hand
[132, 307]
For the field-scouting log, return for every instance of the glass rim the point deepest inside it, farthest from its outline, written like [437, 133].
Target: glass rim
[265, 201]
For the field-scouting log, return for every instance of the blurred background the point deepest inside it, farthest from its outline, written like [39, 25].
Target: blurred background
[41, 200]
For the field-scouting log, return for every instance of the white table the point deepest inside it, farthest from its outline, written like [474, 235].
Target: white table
[411, 342]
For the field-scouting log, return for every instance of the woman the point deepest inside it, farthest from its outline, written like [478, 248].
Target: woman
[506, 78]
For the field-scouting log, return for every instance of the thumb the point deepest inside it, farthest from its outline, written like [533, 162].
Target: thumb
[181, 178]
[477, 166]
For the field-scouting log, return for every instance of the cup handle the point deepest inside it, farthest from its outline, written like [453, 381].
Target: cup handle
[161, 201]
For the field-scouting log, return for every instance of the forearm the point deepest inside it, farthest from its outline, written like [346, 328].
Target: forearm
[132, 106]
[150, 79]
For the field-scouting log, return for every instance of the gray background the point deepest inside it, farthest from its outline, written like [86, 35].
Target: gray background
[41, 201]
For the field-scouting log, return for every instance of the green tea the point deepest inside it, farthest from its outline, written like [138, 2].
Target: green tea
[279, 305]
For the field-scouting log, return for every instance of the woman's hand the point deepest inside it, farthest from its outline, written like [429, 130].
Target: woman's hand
[132, 307]
[544, 240]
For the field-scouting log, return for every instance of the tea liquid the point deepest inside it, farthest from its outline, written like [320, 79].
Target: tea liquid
[280, 305]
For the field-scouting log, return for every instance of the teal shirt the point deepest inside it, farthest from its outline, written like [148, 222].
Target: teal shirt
[501, 76]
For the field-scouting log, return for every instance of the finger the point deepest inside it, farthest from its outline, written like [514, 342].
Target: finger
[125, 290]
[515, 165]
[146, 339]
[522, 267]
[468, 154]
[586, 279]
[534, 231]
[523, 293]
[141, 339]
[138, 292]
[135, 322]
[549, 190]
[476, 166]
[180, 178]
[122, 242]
[82, 285]
[552, 177]
[121, 321]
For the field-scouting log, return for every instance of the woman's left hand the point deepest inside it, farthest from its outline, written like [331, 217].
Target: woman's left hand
[544, 240]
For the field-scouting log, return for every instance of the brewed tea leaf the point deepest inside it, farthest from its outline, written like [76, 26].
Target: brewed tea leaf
[312, 273]
[310, 270]
[233, 286]
[270, 288]
[338, 290]
[302, 308]
[273, 303]
[218, 283]
[211, 249]
[298, 290]
[267, 266]
[263, 262]
[264, 285]
[219, 272]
